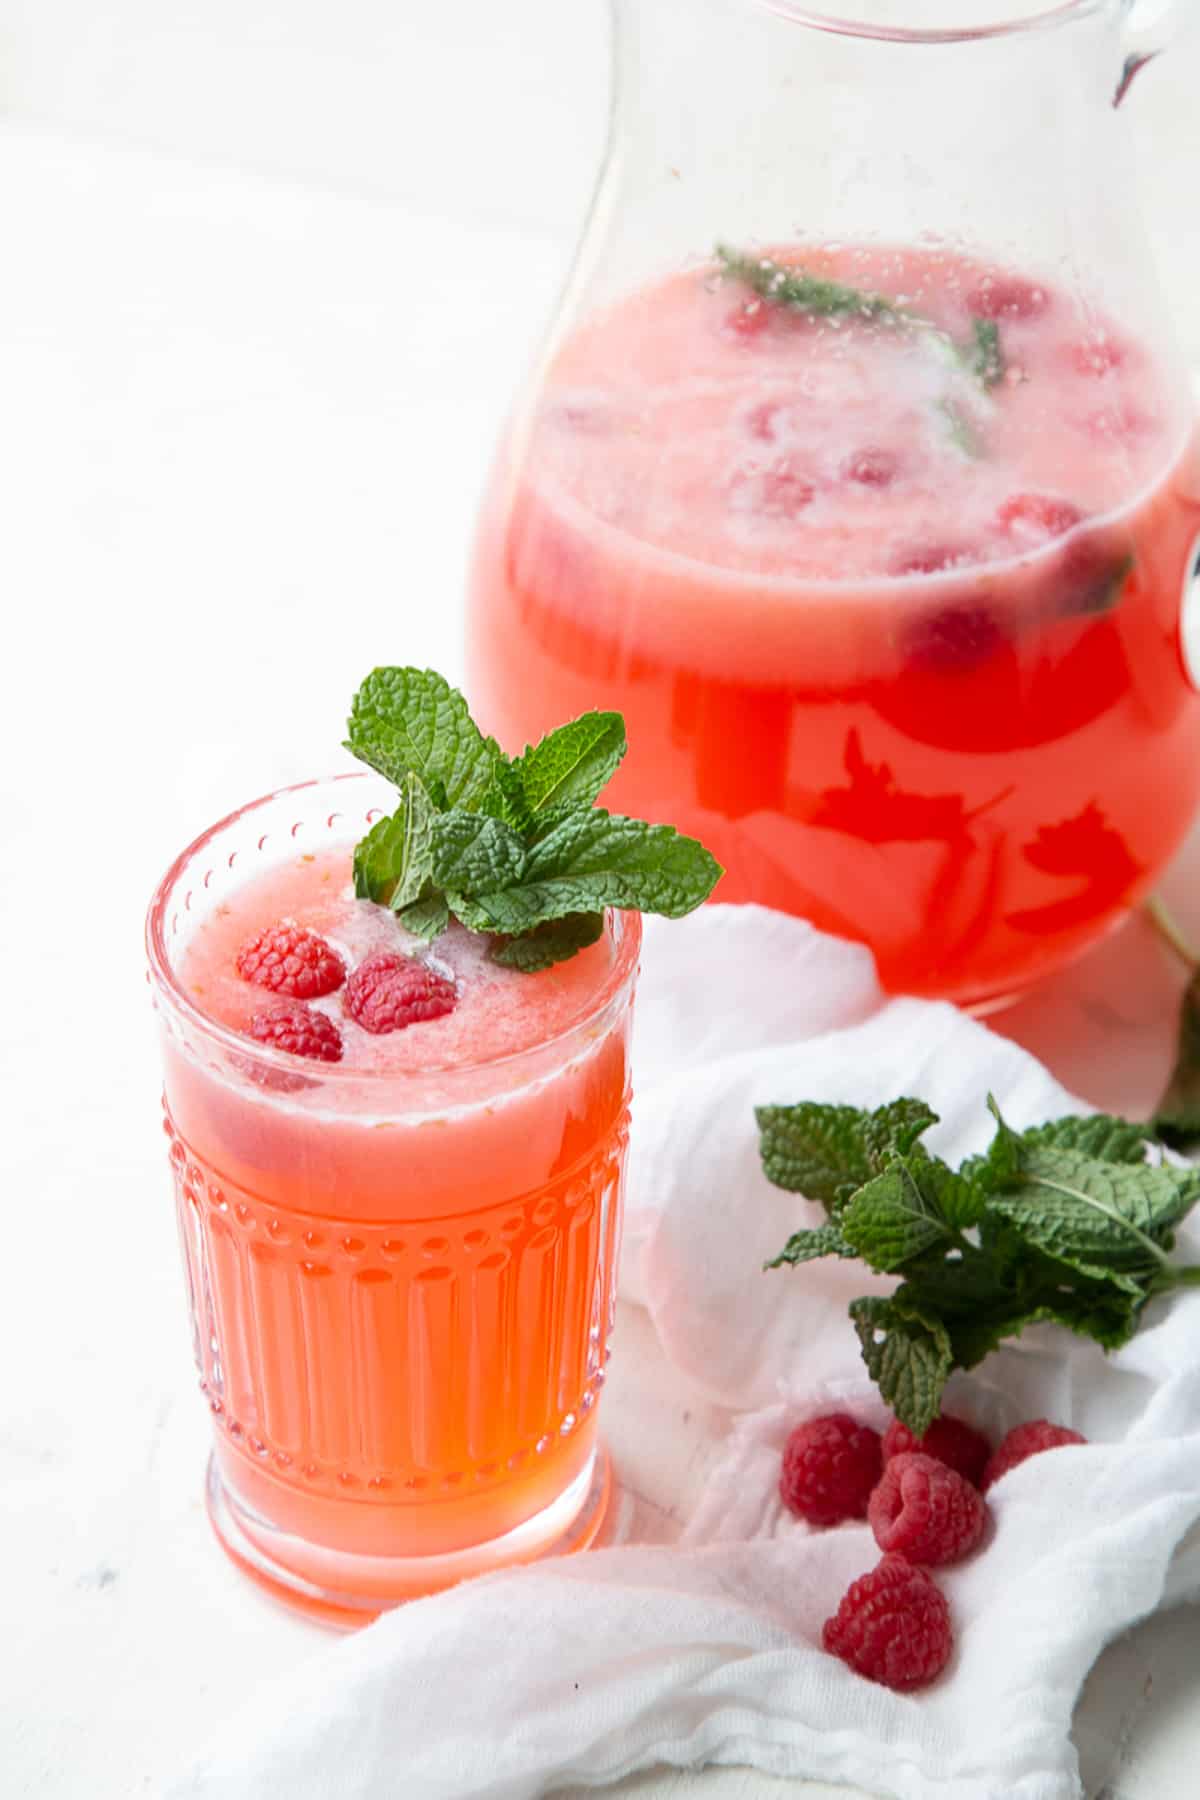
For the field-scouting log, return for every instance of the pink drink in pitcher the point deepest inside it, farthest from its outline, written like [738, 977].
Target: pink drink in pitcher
[896, 637]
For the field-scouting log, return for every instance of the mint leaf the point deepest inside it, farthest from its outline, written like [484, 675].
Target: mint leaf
[570, 766]
[411, 721]
[593, 859]
[1108, 1220]
[1103, 1314]
[505, 797]
[470, 851]
[915, 1205]
[986, 357]
[554, 942]
[393, 863]
[1066, 1223]
[1177, 1119]
[514, 849]
[961, 430]
[826, 1152]
[792, 287]
[908, 1356]
[426, 918]
[1000, 1163]
[807, 1246]
[892, 1130]
[1096, 1134]
[815, 1150]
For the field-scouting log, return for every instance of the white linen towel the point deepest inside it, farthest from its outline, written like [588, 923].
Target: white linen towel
[588, 1668]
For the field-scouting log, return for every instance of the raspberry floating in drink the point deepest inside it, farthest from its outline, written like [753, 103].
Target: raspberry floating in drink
[1098, 354]
[1032, 520]
[1007, 297]
[1121, 423]
[763, 420]
[300, 1030]
[781, 491]
[290, 960]
[953, 640]
[748, 321]
[389, 992]
[872, 468]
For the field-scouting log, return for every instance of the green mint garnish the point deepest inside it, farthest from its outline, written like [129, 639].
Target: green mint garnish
[514, 847]
[1067, 1223]
[792, 287]
[1177, 1118]
[412, 722]
[987, 359]
[960, 430]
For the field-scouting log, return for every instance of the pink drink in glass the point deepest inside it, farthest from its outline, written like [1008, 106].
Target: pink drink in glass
[401, 1265]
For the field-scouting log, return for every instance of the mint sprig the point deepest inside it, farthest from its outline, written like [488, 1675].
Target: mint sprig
[1066, 1223]
[1177, 1119]
[792, 287]
[514, 847]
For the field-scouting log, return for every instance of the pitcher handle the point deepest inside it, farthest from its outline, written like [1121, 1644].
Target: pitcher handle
[1148, 27]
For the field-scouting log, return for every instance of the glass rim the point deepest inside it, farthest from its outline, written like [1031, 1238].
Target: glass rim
[845, 25]
[624, 927]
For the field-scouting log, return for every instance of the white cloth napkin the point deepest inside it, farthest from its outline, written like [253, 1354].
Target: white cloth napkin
[589, 1668]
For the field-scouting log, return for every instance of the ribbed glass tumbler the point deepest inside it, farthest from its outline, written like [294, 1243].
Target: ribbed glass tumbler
[401, 1285]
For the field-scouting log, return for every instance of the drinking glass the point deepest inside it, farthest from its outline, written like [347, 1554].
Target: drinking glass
[401, 1285]
[860, 473]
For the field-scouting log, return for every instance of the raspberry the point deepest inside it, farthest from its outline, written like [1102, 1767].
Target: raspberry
[926, 1511]
[779, 492]
[954, 640]
[893, 1626]
[872, 468]
[1034, 519]
[1007, 297]
[1117, 424]
[749, 320]
[932, 559]
[389, 992]
[1097, 354]
[949, 1440]
[830, 1466]
[1025, 1441]
[763, 421]
[1093, 573]
[290, 960]
[300, 1031]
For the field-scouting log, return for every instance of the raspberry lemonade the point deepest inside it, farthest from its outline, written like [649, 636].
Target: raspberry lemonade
[880, 551]
[398, 1146]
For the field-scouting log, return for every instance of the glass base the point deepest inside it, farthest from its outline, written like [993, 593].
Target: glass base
[359, 1588]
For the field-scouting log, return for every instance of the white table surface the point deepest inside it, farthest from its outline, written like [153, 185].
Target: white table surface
[241, 445]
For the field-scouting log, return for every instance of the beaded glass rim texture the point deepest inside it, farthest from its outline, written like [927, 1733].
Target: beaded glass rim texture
[846, 25]
[162, 926]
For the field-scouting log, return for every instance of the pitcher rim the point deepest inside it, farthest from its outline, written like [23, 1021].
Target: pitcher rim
[1051, 16]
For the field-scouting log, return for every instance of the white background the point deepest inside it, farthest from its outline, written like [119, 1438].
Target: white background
[270, 271]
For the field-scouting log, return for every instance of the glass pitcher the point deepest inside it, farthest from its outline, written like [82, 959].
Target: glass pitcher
[860, 472]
